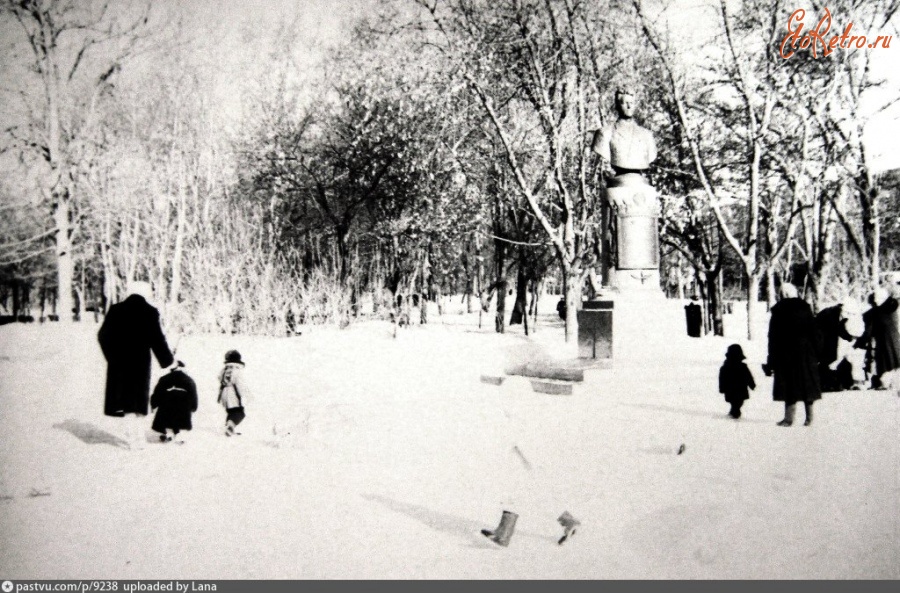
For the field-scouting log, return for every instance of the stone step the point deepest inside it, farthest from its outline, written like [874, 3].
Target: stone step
[551, 387]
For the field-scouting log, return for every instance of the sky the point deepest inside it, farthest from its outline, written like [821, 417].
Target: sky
[324, 21]
[695, 21]
[234, 31]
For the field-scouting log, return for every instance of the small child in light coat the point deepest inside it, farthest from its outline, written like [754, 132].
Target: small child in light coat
[735, 380]
[233, 391]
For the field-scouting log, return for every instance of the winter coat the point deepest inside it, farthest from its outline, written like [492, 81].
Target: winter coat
[130, 331]
[174, 399]
[831, 322]
[794, 345]
[881, 323]
[735, 381]
[233, 390]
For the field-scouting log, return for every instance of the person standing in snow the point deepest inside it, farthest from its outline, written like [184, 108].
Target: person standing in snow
[130, 331]
[518, 484]
[794, 344]
[174, 399]
[882, 334]
[233, 391]
[848, 365]
[735, 380]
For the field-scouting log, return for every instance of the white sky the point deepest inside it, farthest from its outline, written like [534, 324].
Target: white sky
[322, 21]
[237, 30]
[696, 20]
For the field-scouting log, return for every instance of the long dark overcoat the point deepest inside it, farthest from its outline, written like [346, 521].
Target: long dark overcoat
[174, 399]
[832, 327]
[883, 329]
[130, 331]
[794, 344]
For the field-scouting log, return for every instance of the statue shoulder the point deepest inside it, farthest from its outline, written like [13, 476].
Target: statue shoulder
[602, 139]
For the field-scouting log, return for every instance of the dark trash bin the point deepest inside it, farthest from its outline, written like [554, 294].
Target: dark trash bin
[595, 331]
[694, 316]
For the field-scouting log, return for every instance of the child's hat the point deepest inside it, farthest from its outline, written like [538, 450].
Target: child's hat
[735, 352]
[233, 356]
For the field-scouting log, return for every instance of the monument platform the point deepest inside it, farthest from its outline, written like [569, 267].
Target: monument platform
[644, 324]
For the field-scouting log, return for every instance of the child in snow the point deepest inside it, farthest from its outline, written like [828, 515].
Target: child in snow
[735, 379]
[233, 391]
[174, 399]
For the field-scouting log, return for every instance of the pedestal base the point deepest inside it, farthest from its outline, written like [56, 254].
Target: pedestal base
[647, 325]
[637, 282]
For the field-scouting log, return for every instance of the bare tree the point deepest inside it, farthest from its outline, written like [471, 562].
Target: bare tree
[75, 48]
[727, 120]
[535, 67]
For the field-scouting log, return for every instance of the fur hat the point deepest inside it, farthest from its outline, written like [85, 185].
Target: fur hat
[735, 352]
[233, 356]
[789, 291]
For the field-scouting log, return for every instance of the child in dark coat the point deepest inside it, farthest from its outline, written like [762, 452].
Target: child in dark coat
[735, 380]
[174, 399]
[233, 391]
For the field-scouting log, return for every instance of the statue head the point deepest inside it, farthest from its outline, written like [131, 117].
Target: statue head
[626, 103]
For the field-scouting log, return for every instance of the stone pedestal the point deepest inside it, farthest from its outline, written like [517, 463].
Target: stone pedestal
[636, 210]
[595, 332]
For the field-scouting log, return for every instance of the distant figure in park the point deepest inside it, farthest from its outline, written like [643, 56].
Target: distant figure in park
[735, 380]
[233, 391]
[794, 344]
[840, 364]
[174, 399]
[517, 482]
[130, 331]
[831, 322]
[882, 335]
[561, 308]
[519, 485]
[693, 313]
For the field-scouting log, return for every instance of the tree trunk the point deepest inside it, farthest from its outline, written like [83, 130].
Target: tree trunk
[501, 284]
[65, 263]
[770, 287]
[752, 304]
[519, 311]
[16, 306]
[181, 216]
[573, 303]
[876, 243]
[715, 303]
[109, 270]
[470, 283]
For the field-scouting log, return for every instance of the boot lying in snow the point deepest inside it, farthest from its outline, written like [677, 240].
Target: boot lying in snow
[504, 531]
[569, 523]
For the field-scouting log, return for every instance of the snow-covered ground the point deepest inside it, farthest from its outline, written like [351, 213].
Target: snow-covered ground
[370, 456]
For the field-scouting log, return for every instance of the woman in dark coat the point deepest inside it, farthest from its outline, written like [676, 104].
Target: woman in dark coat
[794, 344]
[882, 334]
[174, 399]
[130, 331]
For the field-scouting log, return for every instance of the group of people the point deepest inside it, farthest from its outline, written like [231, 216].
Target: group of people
[129, 334]
[805, 351]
